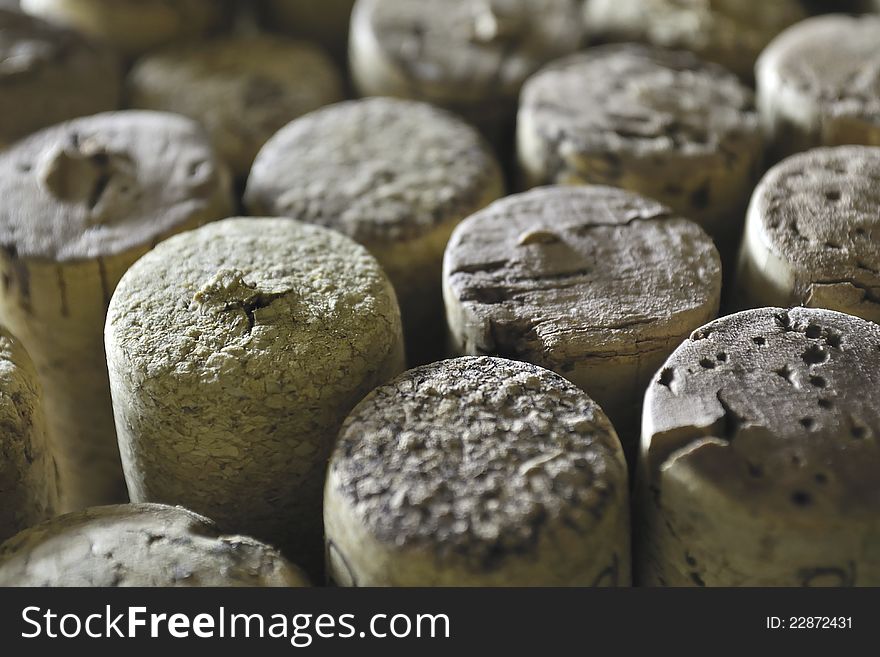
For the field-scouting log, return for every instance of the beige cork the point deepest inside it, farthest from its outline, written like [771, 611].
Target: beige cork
[759, 455]
[144, 545]
[235, 352]
[79, 203]
[478, 472]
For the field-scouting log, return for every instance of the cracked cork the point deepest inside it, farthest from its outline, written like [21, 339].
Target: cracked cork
[235, 352]
[144, 545]
[597, 284]
[477, 471]
[759, 454]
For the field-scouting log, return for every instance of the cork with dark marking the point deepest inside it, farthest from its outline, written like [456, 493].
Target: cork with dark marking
[49, 74]
[477, 471]
[813, 234]
[819, 84]
[140, 545]
[657, 122]
[396, 176]
[597, 284]
[79, 203]
[759, 454]
[28, 486]
[235, 352]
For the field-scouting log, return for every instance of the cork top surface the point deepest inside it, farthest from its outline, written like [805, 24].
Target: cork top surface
[267, 306]
[461, 50]
[476, 457]
[568, 272]
[640, 101]
[778, 410]
[139, 545]
[105, 184]
[379, 170]
[832, 59]
[820, 212]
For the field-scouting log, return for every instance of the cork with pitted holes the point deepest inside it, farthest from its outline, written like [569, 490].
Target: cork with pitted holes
[140, 545]
[79, 203]
[759, 454]
[477, 472]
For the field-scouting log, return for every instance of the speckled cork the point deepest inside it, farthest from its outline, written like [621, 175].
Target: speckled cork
[759, 454]
[326, 22]
[243, 89]
[147, 545]
[729, 32]
[235, 352]
[133, 27]
[470, 57]
[477, 472]
[49, 74]
[597, 284]
[79, 203]
[812, 234]
[396, 176]
[28, 478]
[658, 122]
[819, 84]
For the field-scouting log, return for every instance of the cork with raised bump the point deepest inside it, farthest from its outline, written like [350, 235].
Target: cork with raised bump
[477, 472]
[79, 203]
[759, 454]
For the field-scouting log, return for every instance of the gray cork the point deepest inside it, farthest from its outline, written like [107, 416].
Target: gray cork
[235, 351]
[477, 471]
[243, 89]
[49, 74]
[146, 545]
[661, 123]
[28, 478]
[819, 84]
[812, 234]
[468, 56]
[595, 283]
[760, 457]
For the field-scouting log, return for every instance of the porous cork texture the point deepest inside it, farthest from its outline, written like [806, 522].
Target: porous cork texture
[28, 479]
[243, 89]
[49, 74]
[477, 472]
[819, 84]
[812, 234]
[729, 32]
[657, 122]
[394, 175]
[140, 545]
[79, 203]
[597, 284]
[133, 27]
[470, 57]
[759, 454]
[235, 352]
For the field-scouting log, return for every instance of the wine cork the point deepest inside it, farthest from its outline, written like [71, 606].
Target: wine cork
[597, 284]
[143, 545]
[49, 74]
[242, 89]
[656, 122]
[812, 234]
[396, 176]
[469, 57]
[326, 22]
[28, 486]
[477, 472]
[759, 454]
[818, 84]
[728, 32]
[79, 203]
[133, 27]
[235, 352]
